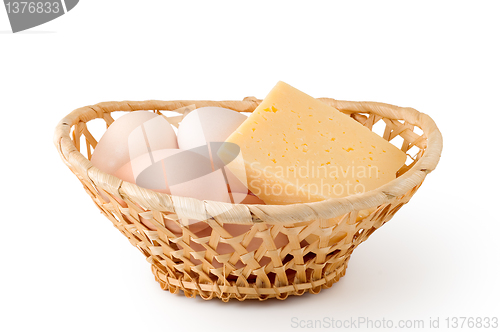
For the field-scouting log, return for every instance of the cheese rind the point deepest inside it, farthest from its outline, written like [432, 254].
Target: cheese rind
[298, 149]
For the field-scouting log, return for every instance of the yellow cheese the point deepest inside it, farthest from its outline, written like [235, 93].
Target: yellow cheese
[298, 149]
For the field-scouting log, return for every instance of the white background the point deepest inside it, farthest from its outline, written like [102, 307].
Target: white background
[66, 268]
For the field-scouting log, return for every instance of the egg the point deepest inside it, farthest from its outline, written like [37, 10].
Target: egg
[129, 136]
[153, 177]
[132, 133]
[185, 173]
[204, 130]
[207, 124]
[142, 148]
[179, 173]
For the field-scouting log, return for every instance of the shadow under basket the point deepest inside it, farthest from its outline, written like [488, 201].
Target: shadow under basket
[320, 236]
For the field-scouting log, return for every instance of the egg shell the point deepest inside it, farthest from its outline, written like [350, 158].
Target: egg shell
[204, 130]
[179, 173]
[152, 135]
[113, 150]
[131, 133]
[207, 124]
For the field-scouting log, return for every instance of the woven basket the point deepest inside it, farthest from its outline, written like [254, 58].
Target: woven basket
[321, 235]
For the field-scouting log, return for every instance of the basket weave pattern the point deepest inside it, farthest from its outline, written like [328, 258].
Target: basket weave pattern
[321, 235]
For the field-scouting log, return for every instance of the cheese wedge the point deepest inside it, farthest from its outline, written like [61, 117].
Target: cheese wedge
[298, 149]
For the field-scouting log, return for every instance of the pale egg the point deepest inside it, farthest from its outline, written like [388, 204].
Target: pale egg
[204, 130]
[207, 124]
[130, 136]
[179, 173]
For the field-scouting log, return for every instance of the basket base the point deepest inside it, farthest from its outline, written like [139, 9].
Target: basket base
[206, 291]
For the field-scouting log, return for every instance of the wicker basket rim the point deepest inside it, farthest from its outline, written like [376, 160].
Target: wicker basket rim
[271, 214]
